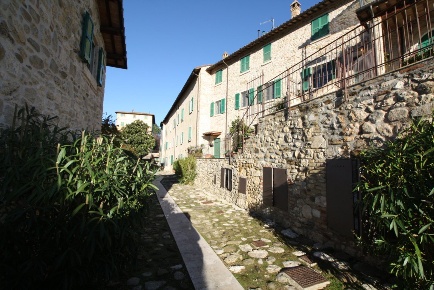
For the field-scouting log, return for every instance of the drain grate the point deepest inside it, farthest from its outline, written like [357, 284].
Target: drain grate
[306, 278]
[306, 260]
[259, 243]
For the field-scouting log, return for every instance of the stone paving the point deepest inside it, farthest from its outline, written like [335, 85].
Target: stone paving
[258, 252]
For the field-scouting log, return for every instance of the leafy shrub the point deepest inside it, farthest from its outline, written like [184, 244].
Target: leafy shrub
[185, 168]
[398, 190]
[69, 206]
[137, 138]
[239, 132]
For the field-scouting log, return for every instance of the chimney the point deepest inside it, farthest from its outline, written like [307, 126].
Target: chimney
[295, 8]
[225, 55]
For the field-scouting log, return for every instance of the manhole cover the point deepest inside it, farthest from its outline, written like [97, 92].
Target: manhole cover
[259, 243]
[306, 277]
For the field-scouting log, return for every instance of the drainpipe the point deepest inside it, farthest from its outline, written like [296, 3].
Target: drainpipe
[226, 103]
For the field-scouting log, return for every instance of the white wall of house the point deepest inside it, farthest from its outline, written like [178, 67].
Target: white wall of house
[125, 118]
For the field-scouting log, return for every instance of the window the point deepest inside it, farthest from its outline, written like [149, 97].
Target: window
[220, 106]
[189, 134]
[134, 116]
[259, 93]
[323, 74]
[226, 178]
[122, 124]
[251, 96]
[218, 76]
[182, 138]
[177, 119]
[267, 52]
[244, 98]
[166, 145]
[268, 91]
[237, 101]
[93, 55]
[171, 159]
[320, 27]
[190, 106]
[211, 109]
[245, 63]
[182, 115]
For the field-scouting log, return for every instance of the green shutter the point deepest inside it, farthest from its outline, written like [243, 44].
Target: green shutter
[182, 114]
[211, 109]
[86, 38]
[182, 137]
[245, 63]
[320, 27]
[237, 101]
[189, 133]
[222, 106]
[267, 52]
[251, 96]
[277, 88]
[218, 76]
[305, 74]
[101, 67]
[259, 93]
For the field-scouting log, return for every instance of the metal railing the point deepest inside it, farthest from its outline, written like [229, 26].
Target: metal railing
[395, 38]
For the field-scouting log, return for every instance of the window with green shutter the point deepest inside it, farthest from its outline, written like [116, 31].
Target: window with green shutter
[245, 63]
[171, 159]
[251, 96]
[277, 88]
[218, 77]
[182, 115]
[87, 39]
[267, 52]
[182, 137]
[190, 106]
[237, 101]
[211, 109]
[189, 134]
[101, 67]
[320, 27]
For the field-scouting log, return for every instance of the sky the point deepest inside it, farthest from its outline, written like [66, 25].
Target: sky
[167, 39]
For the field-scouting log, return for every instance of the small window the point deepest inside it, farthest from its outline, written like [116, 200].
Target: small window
[182, 138]
[305, 75]
[182, 115]
[189, 134]
[259, 95]
[211, 109]
[190, 106]
[245, 63]
[218, 77]
[320, 27]
[220, 106]
[251, 96]
[267, 52]
[122, 124]
[268, 91]
[244, 98]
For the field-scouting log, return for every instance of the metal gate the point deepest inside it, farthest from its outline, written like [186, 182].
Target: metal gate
[275, 188]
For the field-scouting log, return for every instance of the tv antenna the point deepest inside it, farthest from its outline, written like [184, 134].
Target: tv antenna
[271, 20]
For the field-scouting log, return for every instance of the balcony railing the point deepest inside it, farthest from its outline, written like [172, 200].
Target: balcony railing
[388, 42]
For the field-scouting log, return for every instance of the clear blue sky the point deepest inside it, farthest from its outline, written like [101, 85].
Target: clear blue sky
[166, 39]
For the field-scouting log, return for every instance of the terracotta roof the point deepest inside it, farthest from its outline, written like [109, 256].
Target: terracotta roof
[111, 14]
[282, 30]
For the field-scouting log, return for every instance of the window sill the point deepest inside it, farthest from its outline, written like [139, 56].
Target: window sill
[319, 39]
[219, 84]
[267, 62]
[244, 72]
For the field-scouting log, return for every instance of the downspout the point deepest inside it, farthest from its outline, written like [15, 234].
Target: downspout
[226, 103]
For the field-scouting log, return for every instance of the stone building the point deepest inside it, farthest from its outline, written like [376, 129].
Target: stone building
[125, 118]
[53, 56]
[300, 166]
[249, 80]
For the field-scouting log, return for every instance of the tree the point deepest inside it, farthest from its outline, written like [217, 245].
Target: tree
[137, 138]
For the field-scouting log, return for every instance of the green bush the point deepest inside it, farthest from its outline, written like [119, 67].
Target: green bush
[398, 189]
[69, 206]
[185, 168]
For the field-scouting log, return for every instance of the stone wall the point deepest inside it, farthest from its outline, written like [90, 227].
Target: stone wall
[40, 63]
[337, 125]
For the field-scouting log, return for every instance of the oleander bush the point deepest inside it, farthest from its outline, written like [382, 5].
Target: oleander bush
[70, 206]
[398, 204]
[185, 168]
